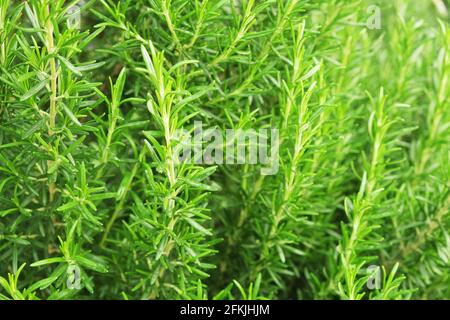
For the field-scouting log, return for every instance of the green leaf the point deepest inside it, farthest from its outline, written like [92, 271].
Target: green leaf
[71, 116]
[70, 66]
[90, 264]
[43, 284]
[198, 227]
[34, 90]
[47, 261]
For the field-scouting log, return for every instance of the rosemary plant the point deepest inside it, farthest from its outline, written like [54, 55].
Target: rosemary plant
[351, 200]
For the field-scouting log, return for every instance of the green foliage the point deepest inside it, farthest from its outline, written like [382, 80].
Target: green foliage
[94, 205]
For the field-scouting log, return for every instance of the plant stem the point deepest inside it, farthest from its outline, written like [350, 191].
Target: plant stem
[53, 88]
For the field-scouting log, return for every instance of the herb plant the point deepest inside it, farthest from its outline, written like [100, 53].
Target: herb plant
[94, 205]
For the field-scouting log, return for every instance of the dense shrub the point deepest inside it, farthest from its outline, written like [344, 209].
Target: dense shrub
[94, 205]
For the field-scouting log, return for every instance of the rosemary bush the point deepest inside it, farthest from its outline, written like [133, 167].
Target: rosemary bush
[93, 204]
